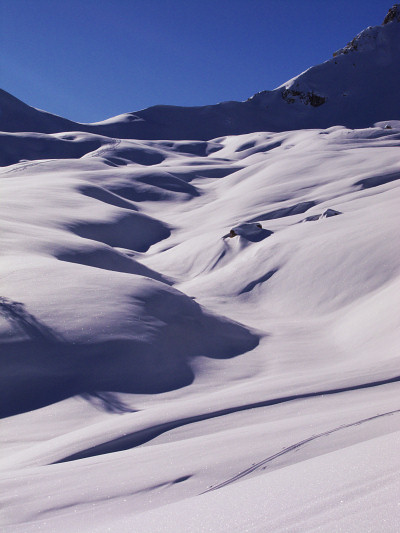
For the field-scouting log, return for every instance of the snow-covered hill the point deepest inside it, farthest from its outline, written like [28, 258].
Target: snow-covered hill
[204, 335]
[355, 88]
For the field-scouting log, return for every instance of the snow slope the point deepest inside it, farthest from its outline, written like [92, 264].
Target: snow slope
[356, 88]
[147, 356]
[160, 372]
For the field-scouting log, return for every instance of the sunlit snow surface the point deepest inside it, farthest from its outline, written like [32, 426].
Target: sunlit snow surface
[159, 375]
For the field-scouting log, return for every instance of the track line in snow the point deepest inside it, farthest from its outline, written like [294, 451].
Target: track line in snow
[294, 447]
[105, 148]
[18, 167]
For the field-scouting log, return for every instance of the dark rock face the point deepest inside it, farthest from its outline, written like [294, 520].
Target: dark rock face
[331, 213]
[309, 98]
[393, 14]
[316, 100]
[352, 46]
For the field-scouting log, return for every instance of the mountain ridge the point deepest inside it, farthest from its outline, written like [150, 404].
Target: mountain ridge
[339, 91]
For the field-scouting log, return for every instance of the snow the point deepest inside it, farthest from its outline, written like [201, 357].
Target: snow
[314, 495]
[161, 357]
[159, 373]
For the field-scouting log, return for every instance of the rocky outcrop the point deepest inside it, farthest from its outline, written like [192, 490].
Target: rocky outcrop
[307, 98]
[369, 37]
[326, 214]
[393, 14]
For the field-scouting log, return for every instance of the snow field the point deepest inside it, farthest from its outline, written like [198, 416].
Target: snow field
[150, 358]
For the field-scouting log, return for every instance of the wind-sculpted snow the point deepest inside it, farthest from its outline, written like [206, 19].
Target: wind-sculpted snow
[194, 333]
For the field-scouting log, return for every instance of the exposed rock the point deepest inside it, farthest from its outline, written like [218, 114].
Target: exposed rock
[311, 218]
[326, 214]
[369, 39]
[307, 98]
[352, 46]
[316, 100]
[330, 213]
[393, 14]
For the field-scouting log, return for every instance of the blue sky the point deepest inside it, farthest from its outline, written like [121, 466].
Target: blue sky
[88, 60]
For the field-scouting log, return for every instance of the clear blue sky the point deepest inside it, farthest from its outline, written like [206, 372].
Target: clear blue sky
[88, 60]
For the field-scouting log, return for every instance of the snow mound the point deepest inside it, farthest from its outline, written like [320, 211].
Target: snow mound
[250, 231]
[128, 229]
[131, 334]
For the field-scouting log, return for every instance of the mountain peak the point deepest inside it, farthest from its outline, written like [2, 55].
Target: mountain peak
[373, 36]
[393, 14]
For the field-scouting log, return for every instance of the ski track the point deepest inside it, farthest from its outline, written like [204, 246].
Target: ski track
[294, 447]
[106, 148]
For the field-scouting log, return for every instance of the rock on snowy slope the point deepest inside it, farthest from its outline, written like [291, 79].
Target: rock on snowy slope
[250, 232]
[354, 89]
